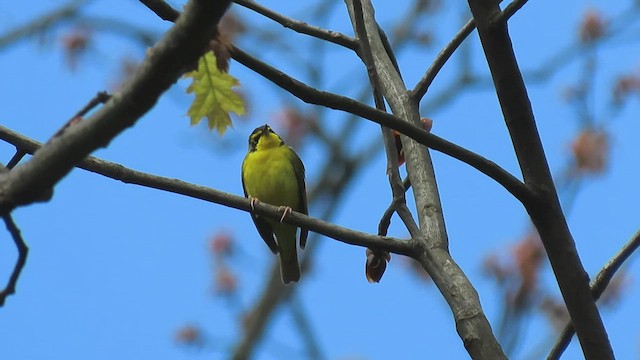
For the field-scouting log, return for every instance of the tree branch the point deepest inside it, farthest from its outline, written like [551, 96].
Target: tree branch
[422, 86]
[311, 95]
[23, 251]
[472, 325]
[598, 286]
[509, 11]
[162, 9]
[545, 213]
[130, 176]
[395, 181]
[385, 219]
[101, 98]
[300, 26]
[165, 63]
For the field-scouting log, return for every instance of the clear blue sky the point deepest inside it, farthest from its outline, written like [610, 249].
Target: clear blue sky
[115, 269]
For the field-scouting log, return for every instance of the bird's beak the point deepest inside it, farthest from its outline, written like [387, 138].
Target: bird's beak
[265, 130]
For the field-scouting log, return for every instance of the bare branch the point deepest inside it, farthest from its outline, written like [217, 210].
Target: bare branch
[23, 251]
[598, 286]
[385, 219]
[130, 176]
[545, 213]
[509, 11]
[300, 26]
[101, 98]
[162, 9]
[395, 181]
[472, 325]
[422, 86]
[165, 63]
[16, 158]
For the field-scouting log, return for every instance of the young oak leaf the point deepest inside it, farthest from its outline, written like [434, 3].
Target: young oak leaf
[215, 98]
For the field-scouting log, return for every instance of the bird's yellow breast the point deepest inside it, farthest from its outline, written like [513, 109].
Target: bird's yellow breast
[269, 176]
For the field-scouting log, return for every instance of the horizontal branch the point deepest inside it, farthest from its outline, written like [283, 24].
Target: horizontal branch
[130, 176]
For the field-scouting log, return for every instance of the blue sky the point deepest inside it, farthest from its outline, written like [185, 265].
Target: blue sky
[115, 269]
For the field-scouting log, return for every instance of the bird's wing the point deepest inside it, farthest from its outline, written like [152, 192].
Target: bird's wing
[298, 166]
[264, 229]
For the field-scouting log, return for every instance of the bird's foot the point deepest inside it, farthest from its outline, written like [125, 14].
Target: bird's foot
[253, 201]
[285, 211]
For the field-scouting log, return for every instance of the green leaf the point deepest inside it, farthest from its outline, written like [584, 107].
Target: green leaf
[215, 98]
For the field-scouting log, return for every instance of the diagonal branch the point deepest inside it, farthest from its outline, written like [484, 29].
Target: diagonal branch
[311, 95]
[165, 63]
[423, 84]
[300, 26]
[509, 11]
[162, 9]
[598, 286]
[545, 213]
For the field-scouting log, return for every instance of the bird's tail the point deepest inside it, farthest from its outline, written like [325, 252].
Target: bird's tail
[289, 268]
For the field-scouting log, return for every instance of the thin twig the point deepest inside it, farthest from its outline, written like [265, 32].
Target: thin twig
[162, 9]
[23, 251]
[385, 219]
[598, 286]
[100, 98]
[300, 26]
[423, 85]
[16, 158]
[509, 11]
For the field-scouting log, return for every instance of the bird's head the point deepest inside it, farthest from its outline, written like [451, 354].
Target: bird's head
[264, 138]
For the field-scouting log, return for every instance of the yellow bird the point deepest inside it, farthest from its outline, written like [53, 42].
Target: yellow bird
[273, 173]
